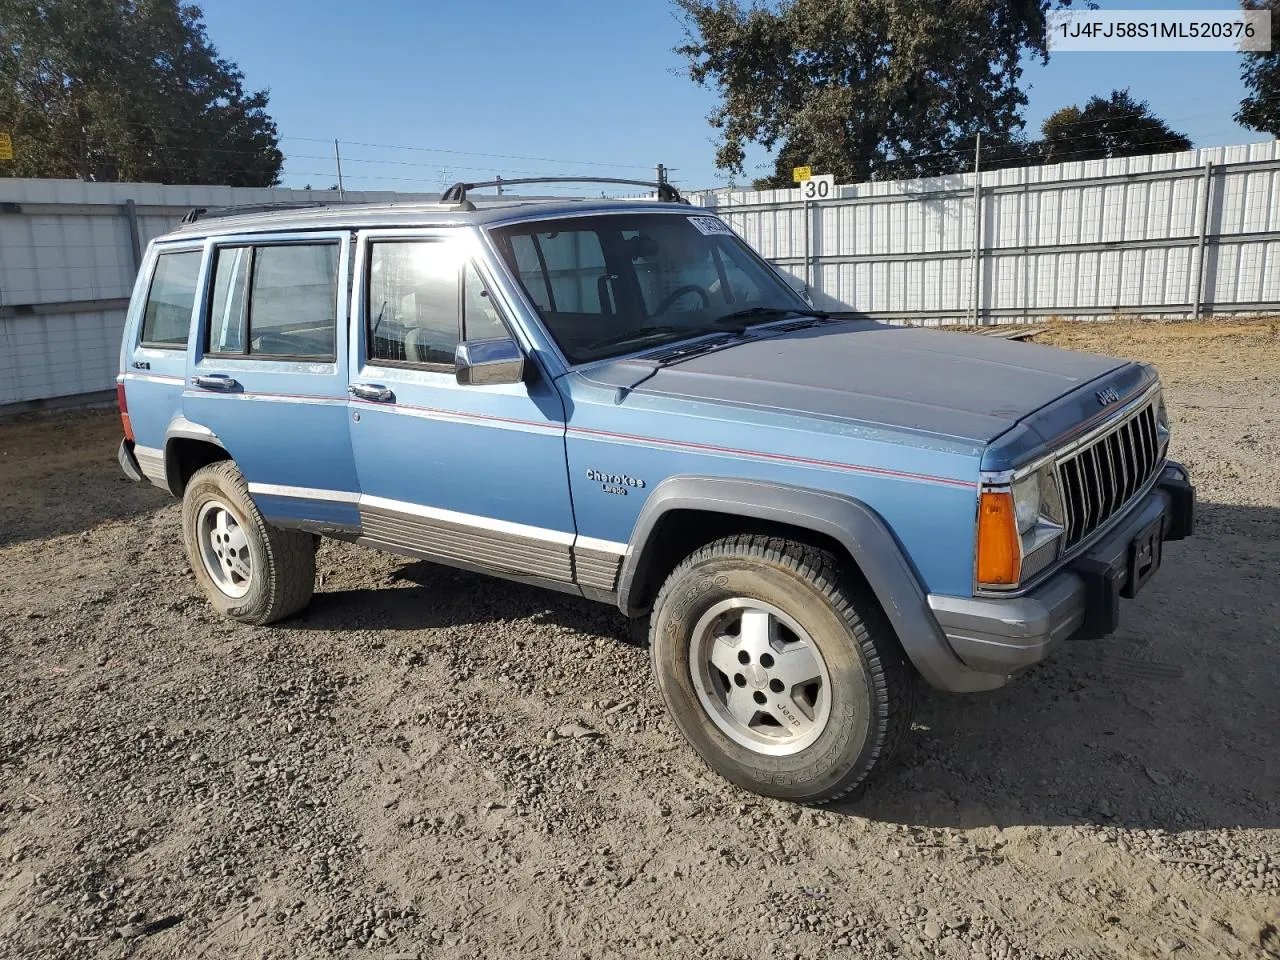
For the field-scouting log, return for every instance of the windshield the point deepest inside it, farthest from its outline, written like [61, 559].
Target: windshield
[611, 284]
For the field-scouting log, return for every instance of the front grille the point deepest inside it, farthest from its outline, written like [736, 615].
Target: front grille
[1099, 479]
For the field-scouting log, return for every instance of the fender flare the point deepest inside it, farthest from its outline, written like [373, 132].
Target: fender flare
[848, 521]
[180, 428]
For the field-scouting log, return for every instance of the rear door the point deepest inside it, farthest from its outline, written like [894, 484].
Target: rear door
[154, 354]
[472, 475]
[269, 376]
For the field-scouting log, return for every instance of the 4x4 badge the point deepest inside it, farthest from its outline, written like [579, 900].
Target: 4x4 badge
[1109, 395]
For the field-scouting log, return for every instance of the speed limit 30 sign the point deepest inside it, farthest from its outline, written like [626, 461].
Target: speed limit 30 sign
[818, 188]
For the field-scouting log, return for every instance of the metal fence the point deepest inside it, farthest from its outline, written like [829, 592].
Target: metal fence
[1169, 235]
[69, 252]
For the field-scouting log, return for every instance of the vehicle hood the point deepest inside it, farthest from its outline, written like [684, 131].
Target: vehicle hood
[963, 386]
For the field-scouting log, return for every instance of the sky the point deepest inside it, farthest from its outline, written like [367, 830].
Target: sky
[421, 93]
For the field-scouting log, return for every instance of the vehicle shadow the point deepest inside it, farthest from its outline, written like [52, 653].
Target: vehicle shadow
[1170, 723]
[427, 596]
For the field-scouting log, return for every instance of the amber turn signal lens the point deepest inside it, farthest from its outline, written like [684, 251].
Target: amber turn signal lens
[999, 548]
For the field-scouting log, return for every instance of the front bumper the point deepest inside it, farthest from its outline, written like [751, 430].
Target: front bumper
[1082, 600]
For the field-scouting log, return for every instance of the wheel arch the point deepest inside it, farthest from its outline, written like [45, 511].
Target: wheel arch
[854, 529]
[188, 446]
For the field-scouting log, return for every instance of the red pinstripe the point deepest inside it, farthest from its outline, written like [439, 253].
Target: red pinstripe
[781, 457]
[655, 441]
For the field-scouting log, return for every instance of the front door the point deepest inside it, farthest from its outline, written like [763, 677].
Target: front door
[270, 374]
[470, 475]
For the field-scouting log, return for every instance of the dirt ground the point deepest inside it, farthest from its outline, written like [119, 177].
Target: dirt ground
[382, 775]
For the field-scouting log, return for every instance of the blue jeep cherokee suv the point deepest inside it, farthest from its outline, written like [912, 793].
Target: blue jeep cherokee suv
[620, 399]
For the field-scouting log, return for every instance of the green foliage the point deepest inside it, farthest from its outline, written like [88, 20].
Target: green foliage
[863, 88]
[127, 90]
[1118, 126]
[1260, 109]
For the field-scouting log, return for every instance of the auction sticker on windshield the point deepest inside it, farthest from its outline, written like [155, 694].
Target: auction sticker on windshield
[710, 226]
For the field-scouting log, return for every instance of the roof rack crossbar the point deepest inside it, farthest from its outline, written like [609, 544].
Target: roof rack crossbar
[458, 192]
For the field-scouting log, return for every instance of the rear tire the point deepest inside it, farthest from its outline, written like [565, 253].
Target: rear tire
[780, 668]
[250, 571]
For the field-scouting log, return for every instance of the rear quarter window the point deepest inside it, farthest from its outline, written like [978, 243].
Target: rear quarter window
[166, 320]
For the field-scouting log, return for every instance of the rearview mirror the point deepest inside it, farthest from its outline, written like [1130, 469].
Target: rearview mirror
[487, 362]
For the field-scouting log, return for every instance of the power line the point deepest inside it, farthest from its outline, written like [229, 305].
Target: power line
[472, 153]
[190, 128]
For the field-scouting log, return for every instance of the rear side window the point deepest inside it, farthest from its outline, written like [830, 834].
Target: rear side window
[166, 321]
[276, 300]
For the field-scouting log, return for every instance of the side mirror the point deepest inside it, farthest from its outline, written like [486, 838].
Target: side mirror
[487, 362]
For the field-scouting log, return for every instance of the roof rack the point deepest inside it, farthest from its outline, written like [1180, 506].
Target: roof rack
[205, 213]
[458, 192]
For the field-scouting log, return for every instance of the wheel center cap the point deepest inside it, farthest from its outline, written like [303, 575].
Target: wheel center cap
[756, 677]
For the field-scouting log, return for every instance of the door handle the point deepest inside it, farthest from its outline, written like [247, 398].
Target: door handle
[215, 381]
[371, 391]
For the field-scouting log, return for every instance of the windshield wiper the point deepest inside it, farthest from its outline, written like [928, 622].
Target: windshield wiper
[714, 342]
[640, 336]
[750, 313]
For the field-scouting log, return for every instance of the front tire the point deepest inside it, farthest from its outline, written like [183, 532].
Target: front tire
[250, 571]
[780, 669]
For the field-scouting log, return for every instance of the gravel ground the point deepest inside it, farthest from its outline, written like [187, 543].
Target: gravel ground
[432, 764]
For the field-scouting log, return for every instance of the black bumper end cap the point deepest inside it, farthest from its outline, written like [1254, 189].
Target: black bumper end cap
[1181, 522]
[128, 462]
[1103, 583]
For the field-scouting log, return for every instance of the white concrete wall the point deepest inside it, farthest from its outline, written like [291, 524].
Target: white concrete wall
[70, 243]
[1086, 239]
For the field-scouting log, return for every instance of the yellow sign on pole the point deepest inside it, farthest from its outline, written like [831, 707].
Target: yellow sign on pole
[6, 147]
[801, 174]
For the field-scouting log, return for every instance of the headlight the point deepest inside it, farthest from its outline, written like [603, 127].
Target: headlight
[1026, 502]
[1017, 529]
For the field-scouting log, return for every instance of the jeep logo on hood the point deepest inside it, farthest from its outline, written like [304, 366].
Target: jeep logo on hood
[1108, 395]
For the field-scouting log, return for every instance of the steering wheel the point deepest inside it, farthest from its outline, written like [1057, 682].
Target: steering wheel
[679, 292]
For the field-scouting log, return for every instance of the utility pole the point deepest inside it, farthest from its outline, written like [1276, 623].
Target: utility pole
[337, 158]
[975, 281]
[498, 177]
[660, 172]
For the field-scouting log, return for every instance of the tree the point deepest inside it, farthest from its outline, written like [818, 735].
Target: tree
[1115, 127]
[1260, 109]
[128, 90]
[863, 88]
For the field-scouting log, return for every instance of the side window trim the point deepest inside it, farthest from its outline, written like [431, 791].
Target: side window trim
[254, 244]
[153, 269]
[244, 281]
